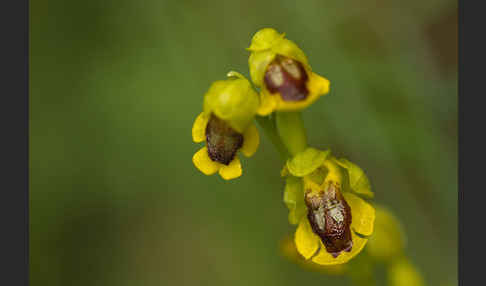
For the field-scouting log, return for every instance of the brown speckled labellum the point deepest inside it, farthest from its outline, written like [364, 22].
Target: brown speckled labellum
[287, 77]
[330, 218]
[222, 141]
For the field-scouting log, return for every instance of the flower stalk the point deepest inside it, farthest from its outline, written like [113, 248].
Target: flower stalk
[290, 127]
[267, 123]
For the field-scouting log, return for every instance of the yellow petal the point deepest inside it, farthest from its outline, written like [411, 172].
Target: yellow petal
[267, 103]
[232, 171]
[362, 214]
[199, 128]
[202, 161]
[306, 241]
[318, 84]
[251, 140]
[324, 258]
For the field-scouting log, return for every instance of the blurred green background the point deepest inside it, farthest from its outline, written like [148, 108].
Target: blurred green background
[116, 86]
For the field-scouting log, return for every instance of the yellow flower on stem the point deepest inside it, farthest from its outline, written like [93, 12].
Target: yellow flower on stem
[281, 69]
[324, 199]
[226, 126]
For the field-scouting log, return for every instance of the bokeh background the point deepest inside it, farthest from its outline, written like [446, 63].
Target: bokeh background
[116, 85]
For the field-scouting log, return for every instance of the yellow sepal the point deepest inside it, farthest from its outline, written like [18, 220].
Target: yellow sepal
[306, 161]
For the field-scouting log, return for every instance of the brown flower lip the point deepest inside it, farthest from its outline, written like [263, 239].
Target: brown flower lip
[287, 77]
[222, 141]
[330, 218]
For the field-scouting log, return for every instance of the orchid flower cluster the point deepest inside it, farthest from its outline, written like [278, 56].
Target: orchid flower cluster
[327, 197]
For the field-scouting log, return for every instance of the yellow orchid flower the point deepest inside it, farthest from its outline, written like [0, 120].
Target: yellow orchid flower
[281, 69]
[334, 222]
[226, 126]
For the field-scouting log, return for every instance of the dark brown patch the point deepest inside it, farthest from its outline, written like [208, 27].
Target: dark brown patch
[222, 140]
[288, 77]
[330, 218]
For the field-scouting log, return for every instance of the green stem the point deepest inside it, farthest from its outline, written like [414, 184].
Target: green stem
[290, 127]
[268, 126]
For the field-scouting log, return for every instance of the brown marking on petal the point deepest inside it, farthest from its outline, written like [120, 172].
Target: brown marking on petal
[287, 77]
[330, 218]
[222, 140]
